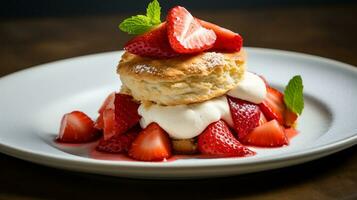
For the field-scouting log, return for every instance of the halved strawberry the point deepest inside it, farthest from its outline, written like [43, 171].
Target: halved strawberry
[119, 143]
[273, 106]
[77, 127]
[270, 134]
[153, 44]
[290, 118]
[185, 33]
[99, 123]
[262, 119]
[217, 140]
[152, 144]
[227, 40]
[126, 112]
[245, 116]
[110, 126]
[107, 104]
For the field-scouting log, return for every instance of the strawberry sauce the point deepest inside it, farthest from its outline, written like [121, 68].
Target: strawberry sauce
[108, 156]
[291, 132]
[91, 152]
[90, 149]
[122, 157]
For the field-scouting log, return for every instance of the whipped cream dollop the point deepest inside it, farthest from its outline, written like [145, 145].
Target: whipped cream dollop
[186, 121]
[252, 88]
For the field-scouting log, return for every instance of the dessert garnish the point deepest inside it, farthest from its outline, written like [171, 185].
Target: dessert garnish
[181, 33]
[185, 90]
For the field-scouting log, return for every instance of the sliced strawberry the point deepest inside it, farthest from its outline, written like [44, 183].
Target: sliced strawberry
[262, 119]
[126, 112]
[99, 123]
[110, 126]
[153, 44]
[227, 40]
[217, 140]
[152, 144]
[107, 104]
[77, 127]
[185, 33]
[270, 134]
[245, 116]
[290, 118]
[273, 106]
[119, 143]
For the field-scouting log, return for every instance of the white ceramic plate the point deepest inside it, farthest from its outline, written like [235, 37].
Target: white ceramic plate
[33, 101]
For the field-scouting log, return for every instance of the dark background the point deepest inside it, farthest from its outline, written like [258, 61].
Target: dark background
[43, 8]
[35, 32]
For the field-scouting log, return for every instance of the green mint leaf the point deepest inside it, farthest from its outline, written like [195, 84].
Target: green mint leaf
[136, 25]
[153, 11]
[140, 24]
[293, 95]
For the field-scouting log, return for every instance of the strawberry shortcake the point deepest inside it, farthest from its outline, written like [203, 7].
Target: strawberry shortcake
[186, 90]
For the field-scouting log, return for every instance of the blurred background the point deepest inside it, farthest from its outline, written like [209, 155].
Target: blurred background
[43, 8]
[33, 32]
[39, 31]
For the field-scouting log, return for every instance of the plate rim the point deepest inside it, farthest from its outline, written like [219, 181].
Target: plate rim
[303, 153]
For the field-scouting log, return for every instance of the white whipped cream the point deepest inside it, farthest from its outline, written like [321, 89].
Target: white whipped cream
[186, 121]
[252, 88]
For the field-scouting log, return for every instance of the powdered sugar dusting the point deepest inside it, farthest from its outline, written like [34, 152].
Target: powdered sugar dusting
[213, 59]
[139, 69]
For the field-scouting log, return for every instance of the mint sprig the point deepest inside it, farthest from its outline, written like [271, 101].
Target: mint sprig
[293, 95]
[153, 11]
[140, 24]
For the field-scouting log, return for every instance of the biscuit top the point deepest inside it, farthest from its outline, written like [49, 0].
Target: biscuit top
[178, 68]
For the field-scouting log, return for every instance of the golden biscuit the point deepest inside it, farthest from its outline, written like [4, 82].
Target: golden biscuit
[181, 80]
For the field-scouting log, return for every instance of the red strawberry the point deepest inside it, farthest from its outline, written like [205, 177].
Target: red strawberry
[126, 112]
[227, 40]
[270, 134]
[273, 106]
[185, 33]
[245, 116]
[152, 44]
[107, 104]
[110, 126]
[119, 143]
[99, 123]
[77, 127]
[290, 118]
[152, 144]
[262, 119]
[217, 140]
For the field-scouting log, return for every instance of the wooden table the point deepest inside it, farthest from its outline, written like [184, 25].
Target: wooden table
[328, 31]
